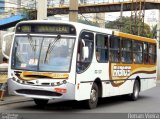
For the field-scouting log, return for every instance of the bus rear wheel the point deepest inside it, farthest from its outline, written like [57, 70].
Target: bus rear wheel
[135, 94]
[92, 102]
[40, 102]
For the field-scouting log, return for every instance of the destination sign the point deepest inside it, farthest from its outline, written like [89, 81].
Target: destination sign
[46, 28]
[25, 29]
[54, 29]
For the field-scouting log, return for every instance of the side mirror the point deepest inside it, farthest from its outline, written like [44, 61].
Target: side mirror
[85, 51]
[6, 44]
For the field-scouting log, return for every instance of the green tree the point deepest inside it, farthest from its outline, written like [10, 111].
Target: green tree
[29, 14]
[154, 31]
[125, 23]
[88, 22]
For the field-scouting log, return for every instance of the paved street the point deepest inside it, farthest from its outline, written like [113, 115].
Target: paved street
[149, 101]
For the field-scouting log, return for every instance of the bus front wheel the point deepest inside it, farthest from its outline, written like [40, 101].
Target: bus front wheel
[135, 94]
[40, 102]
[92, 102]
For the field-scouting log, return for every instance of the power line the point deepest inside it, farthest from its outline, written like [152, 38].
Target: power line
[85, 19]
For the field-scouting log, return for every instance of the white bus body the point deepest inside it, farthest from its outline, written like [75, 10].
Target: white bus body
[111, 79]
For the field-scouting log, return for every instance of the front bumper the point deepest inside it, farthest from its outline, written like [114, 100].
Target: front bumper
[41, 92]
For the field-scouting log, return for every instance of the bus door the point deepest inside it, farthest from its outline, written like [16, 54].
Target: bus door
[84, 58]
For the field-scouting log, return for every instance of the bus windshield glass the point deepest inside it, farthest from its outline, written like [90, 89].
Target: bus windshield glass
[36, 53]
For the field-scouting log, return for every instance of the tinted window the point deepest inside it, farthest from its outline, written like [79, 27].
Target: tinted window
[152, 54]
[102, 48]
[114, 49]
[126, 48]
[137, 52]
[145, 53]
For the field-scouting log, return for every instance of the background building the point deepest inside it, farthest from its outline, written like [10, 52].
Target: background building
[1, 6]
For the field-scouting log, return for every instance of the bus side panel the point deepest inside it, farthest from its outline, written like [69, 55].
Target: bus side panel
[126, 88]
[144, 84]
[147, 81]
[96, 71]
[83, 87]
[151, 83]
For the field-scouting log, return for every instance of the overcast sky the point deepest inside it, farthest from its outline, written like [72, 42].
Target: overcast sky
[151, 16]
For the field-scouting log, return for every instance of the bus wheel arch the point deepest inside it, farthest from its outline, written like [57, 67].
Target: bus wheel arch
[99, 84]
[139, 81]
[95, 93]
[136, 89]
[93, 100]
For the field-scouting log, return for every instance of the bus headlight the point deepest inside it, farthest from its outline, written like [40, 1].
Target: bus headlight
[64, 81]
[20, 81]
[58, 83]
[14, 79]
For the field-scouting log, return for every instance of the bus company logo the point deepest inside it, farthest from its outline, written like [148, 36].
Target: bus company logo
[121, 71]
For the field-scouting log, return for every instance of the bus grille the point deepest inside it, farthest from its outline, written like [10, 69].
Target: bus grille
[37, 92]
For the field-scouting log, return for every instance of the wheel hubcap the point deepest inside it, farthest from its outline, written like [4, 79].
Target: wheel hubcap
[136, 91]
[93, 95]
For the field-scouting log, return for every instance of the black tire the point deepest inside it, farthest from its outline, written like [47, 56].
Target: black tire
[135, 94]
[40, 102]
[92, 102]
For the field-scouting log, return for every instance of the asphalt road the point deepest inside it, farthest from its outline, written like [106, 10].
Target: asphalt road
[148, 102]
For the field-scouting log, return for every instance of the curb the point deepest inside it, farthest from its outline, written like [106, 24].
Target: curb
[14, 99]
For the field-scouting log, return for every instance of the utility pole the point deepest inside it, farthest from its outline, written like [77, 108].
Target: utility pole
[158, 47]
[121, 18]
[137, 17]
[19, 4]
[42, 9]
[73, 10]
[100, 18]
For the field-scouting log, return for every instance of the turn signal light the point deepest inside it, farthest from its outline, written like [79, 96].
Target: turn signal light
[60, 90]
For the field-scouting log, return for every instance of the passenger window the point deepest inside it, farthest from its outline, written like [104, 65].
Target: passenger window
[137, 52]
[152, 54]
[114, 49]
[85, 46]
[145, 53]
[126, 48]
[102, 48]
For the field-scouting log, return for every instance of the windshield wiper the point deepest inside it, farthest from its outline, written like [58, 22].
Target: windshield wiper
[31, 43]
[33, 46]
[51, 46]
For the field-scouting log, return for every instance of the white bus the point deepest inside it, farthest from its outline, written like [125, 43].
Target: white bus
[72, 61]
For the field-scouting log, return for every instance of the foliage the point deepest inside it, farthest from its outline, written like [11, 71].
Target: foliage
[125, 24]
[88, 22]
[29, 14]
[154, 31]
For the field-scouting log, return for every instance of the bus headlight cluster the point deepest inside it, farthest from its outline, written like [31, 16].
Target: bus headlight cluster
[19, 81]
[58, 83]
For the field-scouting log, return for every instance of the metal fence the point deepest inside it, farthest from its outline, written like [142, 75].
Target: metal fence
[56, 3]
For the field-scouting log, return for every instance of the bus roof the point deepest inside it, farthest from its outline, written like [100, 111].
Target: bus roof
[79, 26]
[134, 37]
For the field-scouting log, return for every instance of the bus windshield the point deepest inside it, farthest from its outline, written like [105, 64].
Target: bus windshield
[36, 53]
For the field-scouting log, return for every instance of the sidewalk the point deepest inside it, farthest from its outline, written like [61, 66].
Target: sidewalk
[14, 99]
